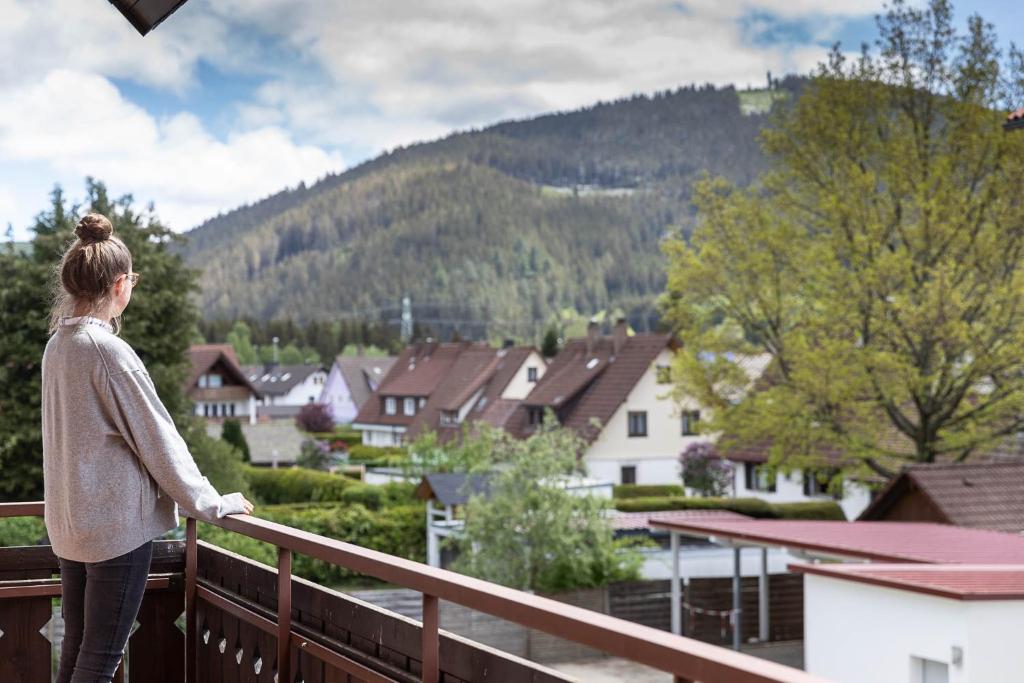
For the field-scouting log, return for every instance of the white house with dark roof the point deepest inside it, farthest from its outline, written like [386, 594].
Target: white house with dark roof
[285, 388]
[351, 381]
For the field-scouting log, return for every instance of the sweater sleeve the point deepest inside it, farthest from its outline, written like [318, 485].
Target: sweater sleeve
[146, 425]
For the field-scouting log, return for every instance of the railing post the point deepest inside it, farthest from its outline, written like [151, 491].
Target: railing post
[284, 615]
[191, 568]
[430, 639]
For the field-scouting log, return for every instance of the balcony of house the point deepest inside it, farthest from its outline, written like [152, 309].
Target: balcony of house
[210, 615]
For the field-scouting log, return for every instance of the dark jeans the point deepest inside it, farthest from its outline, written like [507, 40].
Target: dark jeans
[100, 601]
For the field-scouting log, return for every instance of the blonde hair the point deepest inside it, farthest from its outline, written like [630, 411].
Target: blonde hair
[87, 271]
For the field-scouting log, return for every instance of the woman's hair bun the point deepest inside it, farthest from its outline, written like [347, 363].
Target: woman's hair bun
[94, 227]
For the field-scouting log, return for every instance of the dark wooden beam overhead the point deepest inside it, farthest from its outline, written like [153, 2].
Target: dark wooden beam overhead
[145, 15]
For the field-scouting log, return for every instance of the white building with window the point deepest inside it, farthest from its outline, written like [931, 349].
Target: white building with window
[915, 623]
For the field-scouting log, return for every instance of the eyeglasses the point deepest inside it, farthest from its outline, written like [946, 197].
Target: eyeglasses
[133, 278]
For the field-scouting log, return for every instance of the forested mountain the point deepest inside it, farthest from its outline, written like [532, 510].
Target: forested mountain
[490, 232]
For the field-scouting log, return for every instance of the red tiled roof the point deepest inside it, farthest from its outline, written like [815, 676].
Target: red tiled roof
[204, 356]
[635, 521]
[415, 373]
[1017, 115]
[984, 495]
[960, 582]
[580, 394]
[877, 541]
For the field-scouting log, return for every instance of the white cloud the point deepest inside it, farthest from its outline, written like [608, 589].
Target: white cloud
[79, 124]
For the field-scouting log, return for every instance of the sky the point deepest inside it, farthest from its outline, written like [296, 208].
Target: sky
[229, 101]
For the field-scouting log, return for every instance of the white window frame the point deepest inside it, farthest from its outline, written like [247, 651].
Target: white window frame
[390, 405]
[409, 406]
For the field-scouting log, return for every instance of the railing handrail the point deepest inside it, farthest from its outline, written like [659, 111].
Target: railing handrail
[684, 657]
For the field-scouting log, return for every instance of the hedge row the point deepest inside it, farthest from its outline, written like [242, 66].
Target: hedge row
[284, 486]
[397, 530]
[360, 453]
[753, 507]
[21, 531]
[647, 490]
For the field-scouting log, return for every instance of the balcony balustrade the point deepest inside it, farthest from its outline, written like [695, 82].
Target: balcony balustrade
[210, 616]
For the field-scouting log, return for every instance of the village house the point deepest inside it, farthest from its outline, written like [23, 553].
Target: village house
[614, 391]
[437, 387]
[350, 383]
[218, 386]
[285, 388]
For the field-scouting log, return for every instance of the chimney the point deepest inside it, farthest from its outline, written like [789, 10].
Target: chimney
[619, 336]
[509, 343]
[593, 334]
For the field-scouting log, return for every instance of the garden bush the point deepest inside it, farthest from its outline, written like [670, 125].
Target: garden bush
[647, 490]
[752, 507]
[21, 531]
[295, 485]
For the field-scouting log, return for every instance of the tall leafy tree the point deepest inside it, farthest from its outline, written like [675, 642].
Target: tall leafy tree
[878, 261]
[158, 323]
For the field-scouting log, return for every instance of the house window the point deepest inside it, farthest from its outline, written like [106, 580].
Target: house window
[423, 402]
[536, 416]
[449, 417]
[816, 483]
[202, 381]
[531, 374]
[627, 474]
[690, 419]
[409, 406]
[214, 381]
[663, 374]
[232, 410]
[757, 479]
[206, 410]
[638, 423]
[390, 405]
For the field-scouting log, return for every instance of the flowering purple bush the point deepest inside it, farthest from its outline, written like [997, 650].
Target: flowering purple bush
[315, 417]
[705, 471]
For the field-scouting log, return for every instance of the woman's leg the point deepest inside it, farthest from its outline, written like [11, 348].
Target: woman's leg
[72, 609]
[113, 594]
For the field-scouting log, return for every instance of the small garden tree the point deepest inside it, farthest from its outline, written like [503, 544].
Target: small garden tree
[705, 471]
[529, 532]
[231, 432]
[315, 455]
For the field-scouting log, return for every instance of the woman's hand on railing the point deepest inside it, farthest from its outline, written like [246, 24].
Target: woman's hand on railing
[247, 505]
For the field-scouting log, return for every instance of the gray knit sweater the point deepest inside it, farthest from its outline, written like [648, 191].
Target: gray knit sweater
[113, 461]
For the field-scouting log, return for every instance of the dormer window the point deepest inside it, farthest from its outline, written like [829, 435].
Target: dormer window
[390, 405]
[409, 406]
[531, 374]
[211, 381]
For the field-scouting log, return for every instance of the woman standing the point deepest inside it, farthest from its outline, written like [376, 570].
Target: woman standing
[114, 466]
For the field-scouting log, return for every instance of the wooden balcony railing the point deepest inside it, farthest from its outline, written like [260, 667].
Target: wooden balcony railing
[247, 622]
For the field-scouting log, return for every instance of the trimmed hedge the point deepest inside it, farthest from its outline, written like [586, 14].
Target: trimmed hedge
[360, 453]
[753, 507]
[647, 490]
[397, 530]
[295, 485]
[21, 531]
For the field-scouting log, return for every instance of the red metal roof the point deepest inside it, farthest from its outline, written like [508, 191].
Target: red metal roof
[960, 582]
[878, 541]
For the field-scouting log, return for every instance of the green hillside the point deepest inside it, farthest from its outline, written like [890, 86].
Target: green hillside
[502, 226]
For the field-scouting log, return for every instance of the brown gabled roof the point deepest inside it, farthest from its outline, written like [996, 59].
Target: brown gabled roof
[984, 495]
[478, 370]
[415, 373]
[205, 356]
[584, 384]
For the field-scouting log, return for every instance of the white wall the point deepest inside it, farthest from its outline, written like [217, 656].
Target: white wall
[856, 632]
[338, 397]
[302, 393]
[789, 488]
[520, 386]
[383, 437]
[655, 455]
